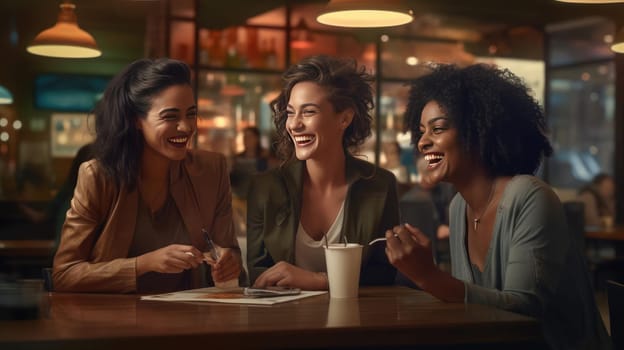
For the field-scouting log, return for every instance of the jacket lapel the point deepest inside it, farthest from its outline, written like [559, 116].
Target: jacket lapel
[185, 197]
[120, 227]
[355, 170]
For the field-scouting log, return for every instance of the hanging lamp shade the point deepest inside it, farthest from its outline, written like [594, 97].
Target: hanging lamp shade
[5, 96]
[365, 14]
[618, 42]
[65, 39]
[591, 1]
[301, 36]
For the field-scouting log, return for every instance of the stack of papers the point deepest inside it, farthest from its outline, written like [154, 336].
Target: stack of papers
[228, 296]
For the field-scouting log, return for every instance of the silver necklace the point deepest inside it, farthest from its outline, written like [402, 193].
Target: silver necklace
[477, 220]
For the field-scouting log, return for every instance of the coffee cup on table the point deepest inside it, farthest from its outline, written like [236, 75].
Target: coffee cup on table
[343, 269]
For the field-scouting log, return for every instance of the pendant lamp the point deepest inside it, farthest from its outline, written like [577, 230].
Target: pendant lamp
[5, 96]
[618, 42]
[365, 14]
[65, 39]
[591, 1]
[301, 36]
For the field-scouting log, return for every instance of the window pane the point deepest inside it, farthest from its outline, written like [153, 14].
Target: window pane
[392, 110]
[402, 59]
[581, 119]
[183, 8]
[583, 40]
[338, 45]
[182, 43]
[242, 47]
[229, 102]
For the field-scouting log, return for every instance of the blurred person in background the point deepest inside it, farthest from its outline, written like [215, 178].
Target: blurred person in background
[55, 210]
[392, 155]
[599, 200]
[252, 160]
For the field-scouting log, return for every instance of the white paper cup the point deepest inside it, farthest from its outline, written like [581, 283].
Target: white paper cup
[343, 269]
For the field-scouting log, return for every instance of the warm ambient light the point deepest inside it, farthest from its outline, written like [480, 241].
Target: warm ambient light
[591, 1]
[365, 14]
[65, 39]
[618, 42]
[301, 36]
[5, 96]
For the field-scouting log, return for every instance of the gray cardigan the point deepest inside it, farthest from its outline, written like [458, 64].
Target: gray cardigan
[533, 266]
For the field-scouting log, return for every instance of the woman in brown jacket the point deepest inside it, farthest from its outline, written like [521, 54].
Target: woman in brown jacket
[143, 207]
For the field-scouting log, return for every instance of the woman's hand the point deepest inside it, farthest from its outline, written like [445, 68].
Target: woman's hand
[285, 274]
[409, 250]
[173, 258]
[227, 267]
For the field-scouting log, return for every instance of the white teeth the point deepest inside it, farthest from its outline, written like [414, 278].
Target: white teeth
[430, 157]
[178, 139]
[303, 138]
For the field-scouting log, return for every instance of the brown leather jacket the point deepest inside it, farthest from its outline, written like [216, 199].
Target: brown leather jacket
[99, 227]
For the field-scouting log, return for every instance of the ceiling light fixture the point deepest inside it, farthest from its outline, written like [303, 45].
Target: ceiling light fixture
[5, 96]
[618, 43]
[365, 14]
[301, 36]
[65, 39]
[591, 1]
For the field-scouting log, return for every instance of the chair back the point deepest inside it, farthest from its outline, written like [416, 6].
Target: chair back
[615, 296]
[46, 273]
[420, 213]
[575, 217]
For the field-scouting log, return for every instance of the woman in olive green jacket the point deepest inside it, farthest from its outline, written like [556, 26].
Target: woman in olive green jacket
[321, 193]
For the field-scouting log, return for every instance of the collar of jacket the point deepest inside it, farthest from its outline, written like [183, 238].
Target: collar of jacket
[292, 173]
[184, 191]
[355, 169]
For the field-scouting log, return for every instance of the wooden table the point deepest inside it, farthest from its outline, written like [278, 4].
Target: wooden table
[382, 317]
[615, 233]
[29, 248]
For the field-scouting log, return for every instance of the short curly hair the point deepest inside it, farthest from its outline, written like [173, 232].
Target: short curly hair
[496, 117]
[347, 85]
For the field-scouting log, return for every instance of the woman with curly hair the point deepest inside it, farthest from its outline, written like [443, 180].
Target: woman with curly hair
[479, 129]
[321, 191]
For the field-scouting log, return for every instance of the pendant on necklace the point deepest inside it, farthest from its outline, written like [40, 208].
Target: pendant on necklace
[476, 223]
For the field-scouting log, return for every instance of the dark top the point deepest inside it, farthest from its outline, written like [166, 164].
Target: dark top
[274, 206]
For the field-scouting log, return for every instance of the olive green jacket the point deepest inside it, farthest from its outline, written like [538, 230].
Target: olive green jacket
[274, 208]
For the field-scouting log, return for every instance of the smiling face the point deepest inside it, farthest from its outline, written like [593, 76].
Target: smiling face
[313, 124]
[440, 146]
[170, 122]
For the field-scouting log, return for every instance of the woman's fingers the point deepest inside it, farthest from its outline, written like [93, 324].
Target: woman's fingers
[269, 277]
[417, 234]
[393, 242]
[405, 242]
[226, 271]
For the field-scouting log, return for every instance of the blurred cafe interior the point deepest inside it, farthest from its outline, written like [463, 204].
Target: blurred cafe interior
[238, 50]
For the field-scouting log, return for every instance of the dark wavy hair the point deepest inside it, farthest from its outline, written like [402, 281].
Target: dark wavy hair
[119, 143]
[497, 119]
[347, 86]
